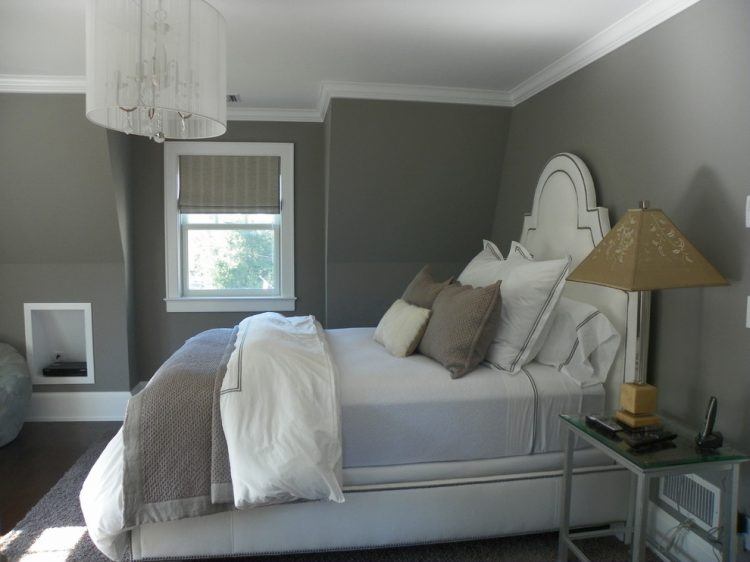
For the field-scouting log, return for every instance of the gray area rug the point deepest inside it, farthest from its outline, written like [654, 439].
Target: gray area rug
[53, 531]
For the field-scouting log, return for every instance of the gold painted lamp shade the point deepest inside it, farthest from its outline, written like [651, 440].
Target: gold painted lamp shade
[646, 251]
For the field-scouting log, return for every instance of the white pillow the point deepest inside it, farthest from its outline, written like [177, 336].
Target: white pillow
[582, 343]
[482, 269]
[530, 290]
[517, 250]
[401, 328]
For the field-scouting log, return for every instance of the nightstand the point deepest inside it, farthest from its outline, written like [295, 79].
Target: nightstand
[645, 470]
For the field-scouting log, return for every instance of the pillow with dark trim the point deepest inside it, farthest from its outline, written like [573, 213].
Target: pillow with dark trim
[461, 328]
[423, 289]
[530, 291]
[582, 343]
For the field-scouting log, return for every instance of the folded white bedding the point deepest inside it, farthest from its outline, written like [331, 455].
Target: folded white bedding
[408, 410]
[280, 413]
[279, 417]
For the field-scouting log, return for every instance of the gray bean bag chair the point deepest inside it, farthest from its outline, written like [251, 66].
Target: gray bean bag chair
[15, 393]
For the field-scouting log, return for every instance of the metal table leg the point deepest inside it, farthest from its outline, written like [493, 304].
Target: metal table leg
[729, 498]
[567, 480]
[638, 548]
[628, 534]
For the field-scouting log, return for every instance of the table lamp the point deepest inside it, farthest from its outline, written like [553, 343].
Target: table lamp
[643, 252]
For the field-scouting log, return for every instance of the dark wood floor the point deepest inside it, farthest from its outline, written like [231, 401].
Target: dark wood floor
[30, 465]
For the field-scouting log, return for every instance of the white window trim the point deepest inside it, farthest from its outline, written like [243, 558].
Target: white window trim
[176, 302]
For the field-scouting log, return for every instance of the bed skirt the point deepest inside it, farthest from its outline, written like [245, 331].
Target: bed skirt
[450, 510]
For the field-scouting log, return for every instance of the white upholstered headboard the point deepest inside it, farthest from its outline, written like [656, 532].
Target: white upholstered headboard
[565, 221]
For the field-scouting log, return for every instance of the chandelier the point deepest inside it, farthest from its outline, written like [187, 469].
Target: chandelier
[156, 68]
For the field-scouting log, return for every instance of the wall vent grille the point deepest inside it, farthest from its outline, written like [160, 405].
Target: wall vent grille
[693, 496]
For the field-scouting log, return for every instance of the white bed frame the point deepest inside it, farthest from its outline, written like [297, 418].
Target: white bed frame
[564, 221]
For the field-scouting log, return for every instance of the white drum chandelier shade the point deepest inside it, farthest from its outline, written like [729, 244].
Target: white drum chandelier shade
[156, 68]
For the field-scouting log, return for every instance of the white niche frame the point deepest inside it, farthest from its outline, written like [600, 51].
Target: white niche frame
[37, 356]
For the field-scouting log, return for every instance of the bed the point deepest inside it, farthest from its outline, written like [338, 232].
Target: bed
[405, 411]
[431, 459]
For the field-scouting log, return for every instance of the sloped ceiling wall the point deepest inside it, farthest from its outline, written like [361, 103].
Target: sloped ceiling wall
[57, 199]
[60, 239]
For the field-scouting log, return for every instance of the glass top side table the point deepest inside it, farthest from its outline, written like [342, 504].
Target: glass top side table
[681, 458]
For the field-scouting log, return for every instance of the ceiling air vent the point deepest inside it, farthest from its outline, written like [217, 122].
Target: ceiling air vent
[233, 98]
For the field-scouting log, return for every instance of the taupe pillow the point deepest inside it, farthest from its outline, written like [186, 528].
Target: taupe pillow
[463, 322]
[423, 289]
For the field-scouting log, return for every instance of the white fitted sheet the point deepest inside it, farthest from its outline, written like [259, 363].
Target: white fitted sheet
[408, 410]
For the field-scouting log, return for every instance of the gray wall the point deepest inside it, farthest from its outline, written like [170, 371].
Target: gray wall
[120, 162]
[407, 184]
[59, 235]
[159, 333]
[389, 185]
[665, 118]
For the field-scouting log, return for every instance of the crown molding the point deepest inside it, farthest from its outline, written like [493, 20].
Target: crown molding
[409, 92]
[636, 23]
[273, 114]
[42, 84]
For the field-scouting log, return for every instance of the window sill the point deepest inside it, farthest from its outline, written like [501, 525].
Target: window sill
[231, 304]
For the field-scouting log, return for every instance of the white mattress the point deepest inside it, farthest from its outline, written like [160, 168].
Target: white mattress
[408, 410]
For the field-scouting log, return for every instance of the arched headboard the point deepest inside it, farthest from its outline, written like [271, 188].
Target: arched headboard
[565, 221]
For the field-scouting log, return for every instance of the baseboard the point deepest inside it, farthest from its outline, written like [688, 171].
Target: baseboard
[78, 406]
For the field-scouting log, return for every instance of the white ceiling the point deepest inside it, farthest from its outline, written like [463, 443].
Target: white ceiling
[280, 51]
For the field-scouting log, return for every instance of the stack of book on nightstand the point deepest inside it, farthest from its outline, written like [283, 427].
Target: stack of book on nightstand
[646, 437]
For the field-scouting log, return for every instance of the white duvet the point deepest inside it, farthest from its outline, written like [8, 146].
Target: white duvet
[280, 415]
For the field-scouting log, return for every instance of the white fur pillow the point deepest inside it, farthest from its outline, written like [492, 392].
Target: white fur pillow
[401, 328]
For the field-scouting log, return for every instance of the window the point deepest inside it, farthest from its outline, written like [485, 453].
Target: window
[229, 216]
[230, 254]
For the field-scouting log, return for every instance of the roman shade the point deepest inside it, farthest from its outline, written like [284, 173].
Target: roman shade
[229, 184]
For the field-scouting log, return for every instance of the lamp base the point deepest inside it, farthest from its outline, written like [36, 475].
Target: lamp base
[635, 421]
[638, 398]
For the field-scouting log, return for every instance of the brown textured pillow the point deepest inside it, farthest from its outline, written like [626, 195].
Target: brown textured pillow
[463, 323]
[423, 289]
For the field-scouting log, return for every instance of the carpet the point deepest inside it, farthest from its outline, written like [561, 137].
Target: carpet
[54, 531]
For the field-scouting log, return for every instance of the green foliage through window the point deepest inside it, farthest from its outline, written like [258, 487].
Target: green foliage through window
[231, 259]
[248, 261]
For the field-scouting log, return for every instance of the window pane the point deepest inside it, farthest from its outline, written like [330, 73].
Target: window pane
[226, 218]
[227, 260]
